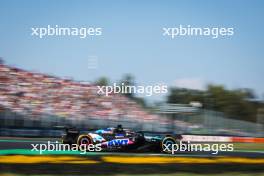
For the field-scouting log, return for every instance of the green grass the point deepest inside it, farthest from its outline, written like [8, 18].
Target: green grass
[175, 174]
[192, 174]
[249, 146]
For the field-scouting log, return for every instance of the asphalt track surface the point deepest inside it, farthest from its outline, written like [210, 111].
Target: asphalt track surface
[16, 158]
[13, 144]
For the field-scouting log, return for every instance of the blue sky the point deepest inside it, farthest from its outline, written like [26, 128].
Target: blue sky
[132, 41]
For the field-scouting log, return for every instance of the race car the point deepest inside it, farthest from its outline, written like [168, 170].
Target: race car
[119, 139]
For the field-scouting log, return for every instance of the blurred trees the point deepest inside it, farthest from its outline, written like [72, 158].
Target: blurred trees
[103, 81]
[129, 80]
[1, 60]
[126, 80]
[236, 104]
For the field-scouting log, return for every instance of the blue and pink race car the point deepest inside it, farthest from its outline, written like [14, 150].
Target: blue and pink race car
[119, 139]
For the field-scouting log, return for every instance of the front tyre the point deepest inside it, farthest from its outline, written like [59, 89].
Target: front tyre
[168, 144]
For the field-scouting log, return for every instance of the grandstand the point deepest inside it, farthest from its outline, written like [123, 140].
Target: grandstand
[35, 100]
[34, 94]
[39, 97]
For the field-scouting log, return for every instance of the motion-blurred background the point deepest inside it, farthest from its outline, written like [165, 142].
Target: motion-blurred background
[33, 104]
[215, 86]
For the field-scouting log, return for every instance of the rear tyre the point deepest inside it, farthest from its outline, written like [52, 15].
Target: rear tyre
[83, 141]
[167, 144]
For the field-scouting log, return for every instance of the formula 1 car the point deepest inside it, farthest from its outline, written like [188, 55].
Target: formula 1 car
[119, 139]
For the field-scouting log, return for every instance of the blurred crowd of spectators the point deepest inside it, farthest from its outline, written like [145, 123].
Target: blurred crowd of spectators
[34, 94]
